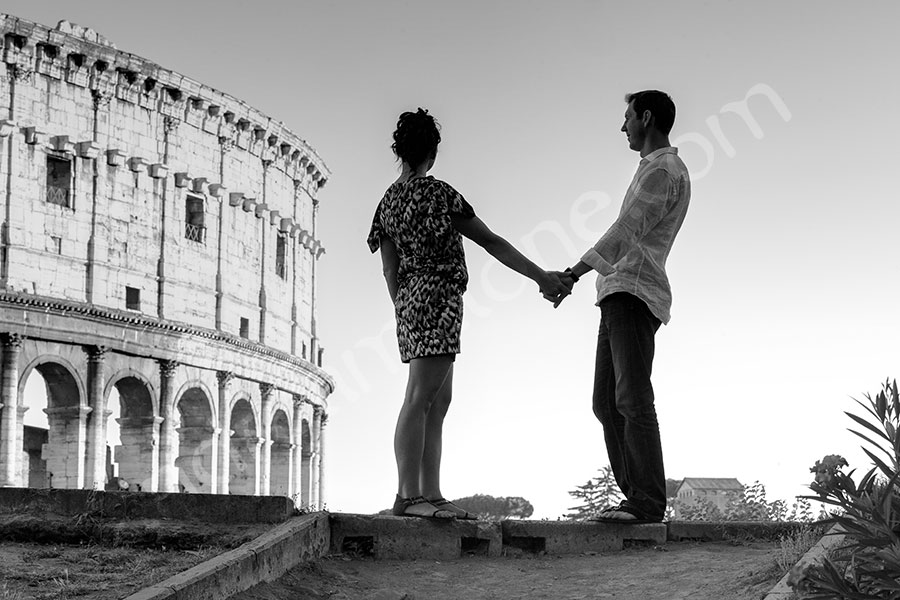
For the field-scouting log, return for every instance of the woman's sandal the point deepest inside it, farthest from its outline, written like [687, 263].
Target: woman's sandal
[461, 513]
[402, 505]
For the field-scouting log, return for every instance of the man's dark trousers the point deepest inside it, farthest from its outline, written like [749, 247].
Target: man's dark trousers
[623, 401]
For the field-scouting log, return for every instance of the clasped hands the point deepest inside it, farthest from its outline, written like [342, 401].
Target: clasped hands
[556, 286]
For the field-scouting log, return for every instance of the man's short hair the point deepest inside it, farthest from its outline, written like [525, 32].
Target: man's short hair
[660, 106]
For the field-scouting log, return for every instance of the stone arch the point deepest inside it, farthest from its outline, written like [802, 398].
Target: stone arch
[196, 384]
[243, 462]
[280, 454]
[248, 413]
[58, 461]
[62, 378]
[136, 452]
[196, 440]
[135, 377]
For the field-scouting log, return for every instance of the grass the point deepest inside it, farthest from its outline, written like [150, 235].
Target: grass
[61, 572]
[793, 546]
[9, 594]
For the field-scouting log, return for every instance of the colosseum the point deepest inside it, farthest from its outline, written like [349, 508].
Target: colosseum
[157, 279]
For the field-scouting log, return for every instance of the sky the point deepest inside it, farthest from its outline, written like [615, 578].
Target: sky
[785, 274]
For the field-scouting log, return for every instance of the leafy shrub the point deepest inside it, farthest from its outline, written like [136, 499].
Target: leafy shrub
[750, 504]
[868, 565]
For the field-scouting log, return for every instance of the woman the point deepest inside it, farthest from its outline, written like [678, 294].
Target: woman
[417, 227]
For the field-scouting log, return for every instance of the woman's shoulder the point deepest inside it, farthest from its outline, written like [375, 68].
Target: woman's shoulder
[439, 185]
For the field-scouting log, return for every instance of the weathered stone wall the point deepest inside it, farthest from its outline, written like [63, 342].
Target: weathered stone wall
[140, 141]
[158, 240]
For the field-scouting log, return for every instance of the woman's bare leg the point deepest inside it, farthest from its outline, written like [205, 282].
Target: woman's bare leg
[430, 471]
[426, 378]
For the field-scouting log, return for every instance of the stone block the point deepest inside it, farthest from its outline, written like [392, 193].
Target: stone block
[115, 157]
[403, 538]
[7, 127]
[573, 537]
[88, 149]
[158, 170]
[182, 179]
[198, 184]
[138, 164]
[35, 136]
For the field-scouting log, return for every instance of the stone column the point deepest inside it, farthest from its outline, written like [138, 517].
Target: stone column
[265, 470]
[297, 453]
[323, 421]
[9, 397]
[65, 449]
[95, 464]
[224, 378]
[214, 460]
[314, 484]
[139, 452]
[256, 448]
[168, 436]
[24, 464]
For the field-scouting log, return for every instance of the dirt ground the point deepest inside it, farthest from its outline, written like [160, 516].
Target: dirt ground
[50, 558]
[689, 570]
[61, 572]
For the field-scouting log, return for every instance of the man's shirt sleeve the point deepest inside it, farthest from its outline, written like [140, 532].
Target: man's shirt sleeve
[654, 197]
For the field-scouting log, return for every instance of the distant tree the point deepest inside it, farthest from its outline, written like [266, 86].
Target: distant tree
[598, 493]
[496, 509]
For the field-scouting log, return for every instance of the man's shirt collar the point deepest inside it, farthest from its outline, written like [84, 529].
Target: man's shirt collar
[659, 152]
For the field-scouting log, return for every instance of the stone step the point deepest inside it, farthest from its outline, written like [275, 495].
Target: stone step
[405, 538]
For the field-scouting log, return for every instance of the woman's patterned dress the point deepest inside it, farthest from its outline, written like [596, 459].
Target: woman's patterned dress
[432, 275]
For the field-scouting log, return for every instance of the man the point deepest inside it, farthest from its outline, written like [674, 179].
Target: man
[634, 297]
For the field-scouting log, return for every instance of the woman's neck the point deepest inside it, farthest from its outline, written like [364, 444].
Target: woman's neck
[409, 172]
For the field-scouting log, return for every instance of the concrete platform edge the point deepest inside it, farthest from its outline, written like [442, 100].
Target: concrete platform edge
[263, 559]
[833, 538]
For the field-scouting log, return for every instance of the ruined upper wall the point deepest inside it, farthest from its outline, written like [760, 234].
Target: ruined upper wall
[82, 57]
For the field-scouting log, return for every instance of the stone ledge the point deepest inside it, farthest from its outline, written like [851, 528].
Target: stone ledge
[264, 559]
[576, 537]
[210, 508]
[406, 538]
[706, 531]
[815, 555]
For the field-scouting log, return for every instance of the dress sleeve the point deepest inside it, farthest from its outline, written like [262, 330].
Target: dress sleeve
[456, 204]
[377, 231]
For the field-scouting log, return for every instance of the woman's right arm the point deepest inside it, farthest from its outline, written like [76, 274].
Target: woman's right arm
[476, 230]
[390, 262]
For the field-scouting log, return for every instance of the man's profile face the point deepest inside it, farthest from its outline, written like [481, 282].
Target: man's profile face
[634, 129]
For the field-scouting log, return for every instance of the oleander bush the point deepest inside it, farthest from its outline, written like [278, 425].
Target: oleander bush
[867, 565]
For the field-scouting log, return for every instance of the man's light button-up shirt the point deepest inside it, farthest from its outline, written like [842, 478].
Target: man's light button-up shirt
[631, 255]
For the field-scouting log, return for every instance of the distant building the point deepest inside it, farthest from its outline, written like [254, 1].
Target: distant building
[717, 491]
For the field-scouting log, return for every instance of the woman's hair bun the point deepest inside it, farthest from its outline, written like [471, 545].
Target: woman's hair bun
[416, 137]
